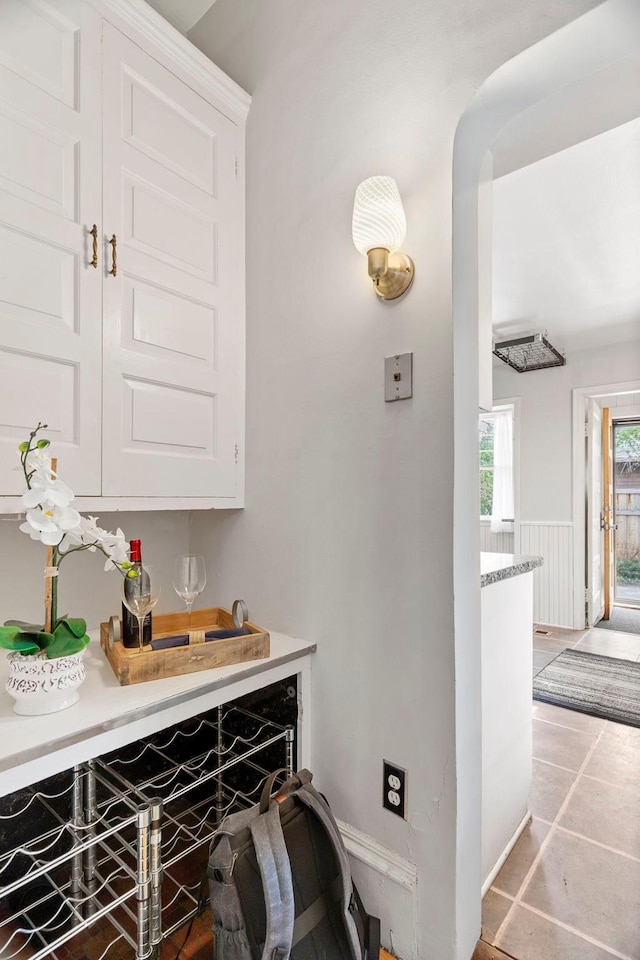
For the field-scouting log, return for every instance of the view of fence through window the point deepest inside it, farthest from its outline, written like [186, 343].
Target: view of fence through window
[626, 452]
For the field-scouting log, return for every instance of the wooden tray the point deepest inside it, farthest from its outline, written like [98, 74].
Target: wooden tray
[132, 666]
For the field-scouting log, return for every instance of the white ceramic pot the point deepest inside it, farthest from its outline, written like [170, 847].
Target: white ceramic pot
[41, 686]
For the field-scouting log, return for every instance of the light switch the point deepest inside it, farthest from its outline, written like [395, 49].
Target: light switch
[398, 377]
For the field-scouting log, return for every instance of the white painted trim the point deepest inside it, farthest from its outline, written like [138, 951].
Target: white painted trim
[580, 397]
[13, 505]
[505, 853]
[374, 854]
[547, 523]
[139, 16]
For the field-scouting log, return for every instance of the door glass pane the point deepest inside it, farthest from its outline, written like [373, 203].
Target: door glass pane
[626, 453]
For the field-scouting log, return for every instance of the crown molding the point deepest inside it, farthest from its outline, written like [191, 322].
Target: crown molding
[141, 17]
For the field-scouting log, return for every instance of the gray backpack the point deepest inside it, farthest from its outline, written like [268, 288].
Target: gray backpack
[280, 883]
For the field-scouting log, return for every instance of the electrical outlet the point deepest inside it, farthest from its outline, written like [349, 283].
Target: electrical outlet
[394, 789]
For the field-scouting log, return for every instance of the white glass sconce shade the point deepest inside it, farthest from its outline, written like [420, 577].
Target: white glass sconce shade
[378, 215]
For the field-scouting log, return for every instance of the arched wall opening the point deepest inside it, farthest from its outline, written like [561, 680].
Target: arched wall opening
[573, 85]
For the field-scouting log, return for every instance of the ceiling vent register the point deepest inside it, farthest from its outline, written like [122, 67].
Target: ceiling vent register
[525, 354]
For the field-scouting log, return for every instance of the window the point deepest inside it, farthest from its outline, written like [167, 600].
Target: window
[487, 436]
[496, 468]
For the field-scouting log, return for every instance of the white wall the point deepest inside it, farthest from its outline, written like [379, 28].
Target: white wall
[546, 462]
[85, 589]
[495, 542]
[347, 534]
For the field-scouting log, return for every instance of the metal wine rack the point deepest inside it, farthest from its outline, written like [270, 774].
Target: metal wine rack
[114, 851]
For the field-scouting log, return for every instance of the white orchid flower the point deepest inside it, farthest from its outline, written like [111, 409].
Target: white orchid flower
[52, 522]
[118, 550]
[50, 518]
[55, 493]
[27, 528]
[39, 463]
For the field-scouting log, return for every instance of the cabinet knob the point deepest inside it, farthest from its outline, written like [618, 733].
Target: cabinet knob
[114, 256]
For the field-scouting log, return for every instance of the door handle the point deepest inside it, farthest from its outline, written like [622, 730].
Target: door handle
[114, 256]
[94, 233]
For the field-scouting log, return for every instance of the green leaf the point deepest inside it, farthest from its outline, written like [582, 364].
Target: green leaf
[42, 638]
[12, 638]
[76, 625]
[68, 639]
[66, 646]
[8, 636]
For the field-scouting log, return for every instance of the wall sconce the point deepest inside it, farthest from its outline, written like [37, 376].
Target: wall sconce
[379, 227]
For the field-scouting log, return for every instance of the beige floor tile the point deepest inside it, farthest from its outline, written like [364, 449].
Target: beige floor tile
[609, 644]
[616, 757]
[549, 788]
[606, 813]
[596, 633]
[529, 936]
[541, 658]
[594, 890]
[495, 907]
[552, 644]
[554, 744]
[621, 733]
[567, 718]
[519, 861]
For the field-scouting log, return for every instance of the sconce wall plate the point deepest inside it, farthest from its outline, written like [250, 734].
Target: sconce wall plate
[396, 279]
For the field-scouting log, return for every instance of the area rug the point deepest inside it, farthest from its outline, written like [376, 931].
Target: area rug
[623, 619]
[601, 686]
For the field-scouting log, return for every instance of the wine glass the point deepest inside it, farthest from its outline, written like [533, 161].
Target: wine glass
[140, 594]
[189, 579]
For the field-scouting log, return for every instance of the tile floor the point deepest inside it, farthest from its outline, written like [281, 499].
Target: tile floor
[570, 890]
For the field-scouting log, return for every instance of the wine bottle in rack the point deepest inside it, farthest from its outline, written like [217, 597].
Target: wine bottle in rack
[129, 621]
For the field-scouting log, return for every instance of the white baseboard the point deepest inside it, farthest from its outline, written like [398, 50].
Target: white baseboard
[505, 853]
[382, 859]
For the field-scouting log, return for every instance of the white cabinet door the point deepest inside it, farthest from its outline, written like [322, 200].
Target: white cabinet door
[173, 336]
[50, 195]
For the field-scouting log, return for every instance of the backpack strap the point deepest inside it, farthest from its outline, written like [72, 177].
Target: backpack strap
[315, 802]
[277, 884]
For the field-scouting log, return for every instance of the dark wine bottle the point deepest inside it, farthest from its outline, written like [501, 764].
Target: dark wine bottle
[129, 620]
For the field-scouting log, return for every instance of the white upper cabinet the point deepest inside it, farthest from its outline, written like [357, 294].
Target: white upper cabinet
[172, 337]
[50, 196]
[109, 117]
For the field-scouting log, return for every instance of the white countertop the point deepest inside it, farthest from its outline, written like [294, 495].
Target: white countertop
[500, 566]
[108, 715]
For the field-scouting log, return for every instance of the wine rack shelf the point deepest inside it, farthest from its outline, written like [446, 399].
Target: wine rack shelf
[123, 839]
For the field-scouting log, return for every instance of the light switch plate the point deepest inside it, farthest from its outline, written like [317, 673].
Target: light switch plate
[398, 377]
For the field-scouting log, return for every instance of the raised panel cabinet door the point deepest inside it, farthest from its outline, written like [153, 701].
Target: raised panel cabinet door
[50, 197]
[173, 327]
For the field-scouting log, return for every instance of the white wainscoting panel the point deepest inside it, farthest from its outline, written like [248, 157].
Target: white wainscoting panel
[495, 542]
[553, 582]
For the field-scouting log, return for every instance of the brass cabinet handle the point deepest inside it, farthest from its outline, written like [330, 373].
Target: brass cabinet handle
[114, 253]
[94, 234]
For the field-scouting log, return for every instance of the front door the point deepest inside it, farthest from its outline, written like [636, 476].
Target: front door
[595, 534]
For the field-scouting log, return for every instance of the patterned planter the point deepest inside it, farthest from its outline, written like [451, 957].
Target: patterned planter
[41, 686]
